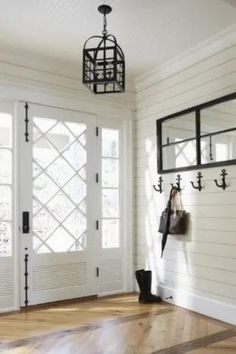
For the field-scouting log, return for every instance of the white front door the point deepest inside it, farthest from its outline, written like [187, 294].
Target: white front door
[57, 189]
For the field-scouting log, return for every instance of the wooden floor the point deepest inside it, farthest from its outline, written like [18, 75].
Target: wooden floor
[115, 325]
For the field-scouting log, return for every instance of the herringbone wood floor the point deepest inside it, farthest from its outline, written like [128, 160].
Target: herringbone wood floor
[115, 325]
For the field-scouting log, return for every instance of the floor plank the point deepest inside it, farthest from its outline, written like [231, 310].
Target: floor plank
[117, 325]
[227, 346]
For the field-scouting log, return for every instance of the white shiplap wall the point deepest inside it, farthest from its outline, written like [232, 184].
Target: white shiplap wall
[198, 269]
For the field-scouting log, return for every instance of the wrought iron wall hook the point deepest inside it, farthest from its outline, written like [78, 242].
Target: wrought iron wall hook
[223, 185]
[159, 189]
[199, 183]
[178, 186]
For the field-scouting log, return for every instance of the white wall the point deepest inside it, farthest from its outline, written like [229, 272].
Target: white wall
[198, 269]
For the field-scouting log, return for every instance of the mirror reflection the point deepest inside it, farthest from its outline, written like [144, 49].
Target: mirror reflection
[203, 137]
[218, 133]
[179, 142]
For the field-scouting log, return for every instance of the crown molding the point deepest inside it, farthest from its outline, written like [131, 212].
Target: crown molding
[215, 44]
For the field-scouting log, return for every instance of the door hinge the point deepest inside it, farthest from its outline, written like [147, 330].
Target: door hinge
[97, 178]
[97, 131]
[26, 122]
[97, 272]
[97, 224]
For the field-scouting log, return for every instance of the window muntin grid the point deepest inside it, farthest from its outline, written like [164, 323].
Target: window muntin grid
[110, 188]
[59, 186]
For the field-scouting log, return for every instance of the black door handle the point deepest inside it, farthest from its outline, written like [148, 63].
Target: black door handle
[25, 222]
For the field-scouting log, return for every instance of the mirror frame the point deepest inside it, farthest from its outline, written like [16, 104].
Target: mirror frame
[197, 110]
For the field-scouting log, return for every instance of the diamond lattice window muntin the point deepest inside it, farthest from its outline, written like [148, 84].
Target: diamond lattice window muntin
[57, 199]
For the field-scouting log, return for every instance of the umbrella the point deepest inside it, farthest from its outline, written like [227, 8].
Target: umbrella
[166, 217]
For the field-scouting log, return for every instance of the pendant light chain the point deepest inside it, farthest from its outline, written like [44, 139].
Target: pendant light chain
[104, 32]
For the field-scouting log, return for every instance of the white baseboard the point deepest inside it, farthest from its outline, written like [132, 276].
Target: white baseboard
[9, 309]
[205, 306]
[112, 292]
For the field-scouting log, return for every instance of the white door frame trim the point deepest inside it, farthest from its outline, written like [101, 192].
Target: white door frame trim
[50, 97]
[126, 185]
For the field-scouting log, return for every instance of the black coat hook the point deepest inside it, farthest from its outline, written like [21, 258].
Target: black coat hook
[178, 187]
[199, 182]
[223, 184]
[159, 189]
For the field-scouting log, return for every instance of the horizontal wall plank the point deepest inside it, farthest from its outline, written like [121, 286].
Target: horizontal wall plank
[196, 211]
[198, 79]
[192, 199]
[186, 245]
[198, 235]
[196, 223]
[207, 261]
[206, 285]
[194, 97]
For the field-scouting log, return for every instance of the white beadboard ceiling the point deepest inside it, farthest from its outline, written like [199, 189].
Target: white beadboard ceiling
[150, 32]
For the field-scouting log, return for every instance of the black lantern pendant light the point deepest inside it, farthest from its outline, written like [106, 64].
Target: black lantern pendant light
[104, 65]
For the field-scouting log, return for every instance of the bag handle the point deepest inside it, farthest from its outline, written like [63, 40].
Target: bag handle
[173, 191]
[177, 202]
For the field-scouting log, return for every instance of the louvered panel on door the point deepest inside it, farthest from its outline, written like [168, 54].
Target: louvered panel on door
[6, 282]
[59, 276]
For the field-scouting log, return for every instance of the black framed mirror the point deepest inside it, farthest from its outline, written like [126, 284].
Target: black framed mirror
[199, 137]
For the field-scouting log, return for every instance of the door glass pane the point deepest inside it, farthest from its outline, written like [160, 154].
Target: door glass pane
[60, 206]
[110, 203]
[44, 188]
[76, 155]
[76, 189]
[110, 143]
[5, 203]
[110, 233]
[6, 166]
[5, 130]
[5, 184]
[44, 124]
[44, 224]
[60, 171]
[44, 153]
[110, 172]
[59, 188]
[60, 136]
[60, 241]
